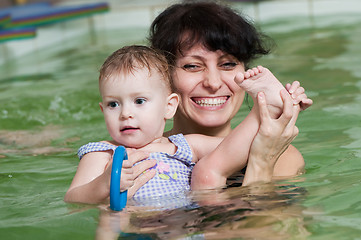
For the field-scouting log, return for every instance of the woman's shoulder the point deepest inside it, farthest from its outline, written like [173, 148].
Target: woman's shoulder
[290, 163]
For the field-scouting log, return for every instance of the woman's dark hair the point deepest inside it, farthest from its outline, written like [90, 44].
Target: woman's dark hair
[217, 27]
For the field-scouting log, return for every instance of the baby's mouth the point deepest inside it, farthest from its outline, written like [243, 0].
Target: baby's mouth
[126, 129]
[210, 102]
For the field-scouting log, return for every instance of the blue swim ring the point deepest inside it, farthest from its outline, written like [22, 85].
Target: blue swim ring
[118, 199]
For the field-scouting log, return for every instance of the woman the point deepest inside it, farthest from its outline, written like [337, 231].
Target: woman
[206, 45]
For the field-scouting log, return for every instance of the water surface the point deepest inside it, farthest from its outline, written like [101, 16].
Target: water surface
[45, 116]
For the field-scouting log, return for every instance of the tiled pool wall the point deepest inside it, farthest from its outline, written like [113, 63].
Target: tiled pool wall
[125, 14]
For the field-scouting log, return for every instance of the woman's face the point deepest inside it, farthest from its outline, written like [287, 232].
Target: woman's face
[204, 80]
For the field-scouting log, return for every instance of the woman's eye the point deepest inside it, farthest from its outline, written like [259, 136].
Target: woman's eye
[113, 104]
[229, 65]
[192, 67]
[140, 101]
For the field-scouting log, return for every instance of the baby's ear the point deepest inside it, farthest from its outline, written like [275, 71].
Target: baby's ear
[101, 106]
[172, 105]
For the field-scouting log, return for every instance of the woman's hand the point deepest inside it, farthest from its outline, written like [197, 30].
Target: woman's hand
[273, 138]
[136, 176]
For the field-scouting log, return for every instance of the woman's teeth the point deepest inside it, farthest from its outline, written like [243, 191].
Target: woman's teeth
[210, 102]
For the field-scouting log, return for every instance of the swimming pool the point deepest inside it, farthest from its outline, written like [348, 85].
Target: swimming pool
[49, 107]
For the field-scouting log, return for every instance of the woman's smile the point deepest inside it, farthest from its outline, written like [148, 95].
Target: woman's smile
[210, 102]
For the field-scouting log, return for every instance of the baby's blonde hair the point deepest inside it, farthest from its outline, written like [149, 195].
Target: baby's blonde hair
[131, 58]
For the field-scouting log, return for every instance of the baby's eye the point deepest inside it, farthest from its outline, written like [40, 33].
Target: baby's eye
[113, 104]
[140, 101]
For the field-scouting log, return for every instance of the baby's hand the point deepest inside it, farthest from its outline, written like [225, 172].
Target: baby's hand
[127, 175]
[298, 95]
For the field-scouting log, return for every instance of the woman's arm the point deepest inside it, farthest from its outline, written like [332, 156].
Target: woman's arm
[291, 162]
[273, 140]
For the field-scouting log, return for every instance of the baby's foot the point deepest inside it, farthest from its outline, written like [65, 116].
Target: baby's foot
[261, 79]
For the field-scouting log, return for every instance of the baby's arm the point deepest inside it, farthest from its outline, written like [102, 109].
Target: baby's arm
[231, 155]
[91, 183]
[213, 168]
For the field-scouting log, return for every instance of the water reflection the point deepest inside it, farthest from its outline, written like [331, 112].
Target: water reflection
[266, 211]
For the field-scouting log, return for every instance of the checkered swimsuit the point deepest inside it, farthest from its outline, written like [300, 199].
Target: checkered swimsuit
[173, 171]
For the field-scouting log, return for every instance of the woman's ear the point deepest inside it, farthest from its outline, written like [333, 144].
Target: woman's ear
[172, 105]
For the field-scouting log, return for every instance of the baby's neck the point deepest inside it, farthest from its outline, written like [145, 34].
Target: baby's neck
[161, 144]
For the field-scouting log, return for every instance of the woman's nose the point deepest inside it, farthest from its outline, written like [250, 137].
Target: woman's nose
[212, 80]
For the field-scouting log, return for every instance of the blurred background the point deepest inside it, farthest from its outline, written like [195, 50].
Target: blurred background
[50, 53]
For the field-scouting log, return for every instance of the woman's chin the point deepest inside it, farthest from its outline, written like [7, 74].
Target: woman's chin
[213, 121]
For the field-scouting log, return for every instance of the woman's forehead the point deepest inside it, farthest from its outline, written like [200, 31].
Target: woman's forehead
[201, 51]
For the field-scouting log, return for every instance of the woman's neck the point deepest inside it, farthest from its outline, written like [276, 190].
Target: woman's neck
[193, 128]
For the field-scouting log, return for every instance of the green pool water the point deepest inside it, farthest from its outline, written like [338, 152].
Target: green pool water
[46, 116]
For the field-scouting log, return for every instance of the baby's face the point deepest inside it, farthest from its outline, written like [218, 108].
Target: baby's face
[134, 107]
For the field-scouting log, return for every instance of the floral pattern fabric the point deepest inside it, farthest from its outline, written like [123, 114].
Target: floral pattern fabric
[173, 170]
